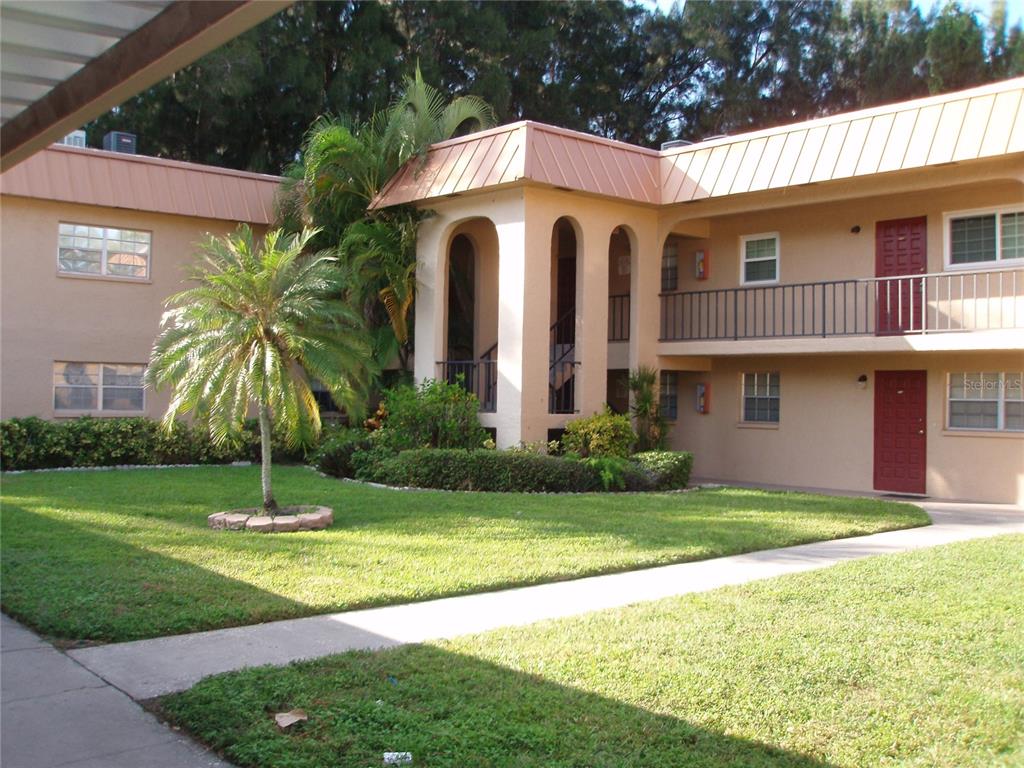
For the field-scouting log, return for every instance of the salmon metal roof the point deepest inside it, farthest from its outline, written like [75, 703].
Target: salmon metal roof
[140, 183]
[954, 127]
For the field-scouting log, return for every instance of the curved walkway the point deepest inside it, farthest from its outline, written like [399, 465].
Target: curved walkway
[147, 668]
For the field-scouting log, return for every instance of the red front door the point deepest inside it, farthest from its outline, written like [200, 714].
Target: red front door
[900, 399]
[900, 250]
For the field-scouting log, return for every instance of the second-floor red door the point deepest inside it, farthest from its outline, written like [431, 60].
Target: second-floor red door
[901, 252]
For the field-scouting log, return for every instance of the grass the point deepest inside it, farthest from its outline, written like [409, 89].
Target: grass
[903, 660]
[112, 556]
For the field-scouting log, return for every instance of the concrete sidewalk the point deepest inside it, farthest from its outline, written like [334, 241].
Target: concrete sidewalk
[57, 713]
[148, 668]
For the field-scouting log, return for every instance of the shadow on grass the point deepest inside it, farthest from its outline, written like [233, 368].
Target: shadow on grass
[68, 581]
[449, 710]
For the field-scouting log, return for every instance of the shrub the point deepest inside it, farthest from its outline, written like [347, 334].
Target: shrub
[370, 463]
[483, 470]
[603, 434]
[434, 415]
[618, 474]
[669, 470]
[335, 454]
[33, 443]
[651, 426]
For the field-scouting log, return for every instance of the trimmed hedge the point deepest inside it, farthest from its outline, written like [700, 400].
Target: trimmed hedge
[34, 443]
[484, 470]
[668, 470]
[617, 474]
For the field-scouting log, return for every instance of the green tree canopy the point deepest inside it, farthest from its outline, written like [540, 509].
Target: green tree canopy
[619, 69]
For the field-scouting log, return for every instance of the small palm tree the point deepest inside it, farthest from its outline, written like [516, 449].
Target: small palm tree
[262, 323]
[343, 168]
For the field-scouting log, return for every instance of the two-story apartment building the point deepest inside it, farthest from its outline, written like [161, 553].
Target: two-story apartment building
[92, 243]
[837, 303]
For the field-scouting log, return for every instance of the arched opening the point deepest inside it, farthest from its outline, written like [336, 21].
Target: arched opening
[620, 256]
[562, 330]
[470, 335]
[461, 299]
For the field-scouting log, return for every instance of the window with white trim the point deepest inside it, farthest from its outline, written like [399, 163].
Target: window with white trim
[990, 401]
[759, 255]
[98, 387]
[761, 397]
[984, 237]
[84, 249]
[668, 392]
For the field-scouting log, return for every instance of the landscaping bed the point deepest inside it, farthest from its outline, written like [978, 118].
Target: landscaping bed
[911, 659]
[111, 556]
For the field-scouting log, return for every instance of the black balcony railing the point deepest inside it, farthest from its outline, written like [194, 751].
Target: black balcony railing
[945, 301]
[618, 317]
[477, 376]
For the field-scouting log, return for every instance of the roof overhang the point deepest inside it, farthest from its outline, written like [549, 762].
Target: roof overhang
[65, 63]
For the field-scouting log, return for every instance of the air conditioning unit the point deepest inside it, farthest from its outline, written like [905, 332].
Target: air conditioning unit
[119, 141]
[74, 139]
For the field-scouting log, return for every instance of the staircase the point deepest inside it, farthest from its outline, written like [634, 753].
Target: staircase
[562, 364]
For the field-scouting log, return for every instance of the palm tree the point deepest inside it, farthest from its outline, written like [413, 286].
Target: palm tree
[262, 323]
[342, 170]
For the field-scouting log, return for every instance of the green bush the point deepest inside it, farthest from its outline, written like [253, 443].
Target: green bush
[603, 434]
[484, 470]
[618, 474]
[434, 415]
[669, 470]
[33, 443]
[371, 463]
[335, 454]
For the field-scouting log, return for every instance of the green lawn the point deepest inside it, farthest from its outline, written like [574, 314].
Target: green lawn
[910, 660]
[109, 556]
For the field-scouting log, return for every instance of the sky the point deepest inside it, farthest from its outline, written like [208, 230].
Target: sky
[1014, 8]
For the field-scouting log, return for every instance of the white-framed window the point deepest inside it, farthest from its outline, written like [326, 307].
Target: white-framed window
[86, 249]
[98, 387]
[989, 401]
[670, 267]
[759, 258]
[984, 238]
[761, 397]
[668, 392]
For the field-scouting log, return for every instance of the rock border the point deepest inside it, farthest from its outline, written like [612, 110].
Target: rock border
[307, 517]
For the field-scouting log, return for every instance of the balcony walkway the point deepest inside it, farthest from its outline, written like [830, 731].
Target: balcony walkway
[148, 668]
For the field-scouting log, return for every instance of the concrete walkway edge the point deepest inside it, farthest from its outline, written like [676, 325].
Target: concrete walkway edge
[57, 713]
[148, 668]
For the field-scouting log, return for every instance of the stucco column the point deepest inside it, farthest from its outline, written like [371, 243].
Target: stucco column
[431, 276]
[644, 305]
[523, 318]
[592, 319]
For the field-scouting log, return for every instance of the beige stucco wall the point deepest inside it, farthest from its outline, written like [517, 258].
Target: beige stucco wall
[825, 436]
[48, 317]
[816, 242]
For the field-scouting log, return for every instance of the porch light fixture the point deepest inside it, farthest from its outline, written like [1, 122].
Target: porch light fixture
[855, 229]
[862, 381]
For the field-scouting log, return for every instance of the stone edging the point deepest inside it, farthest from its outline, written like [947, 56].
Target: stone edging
[113, 467]
[315, 519]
